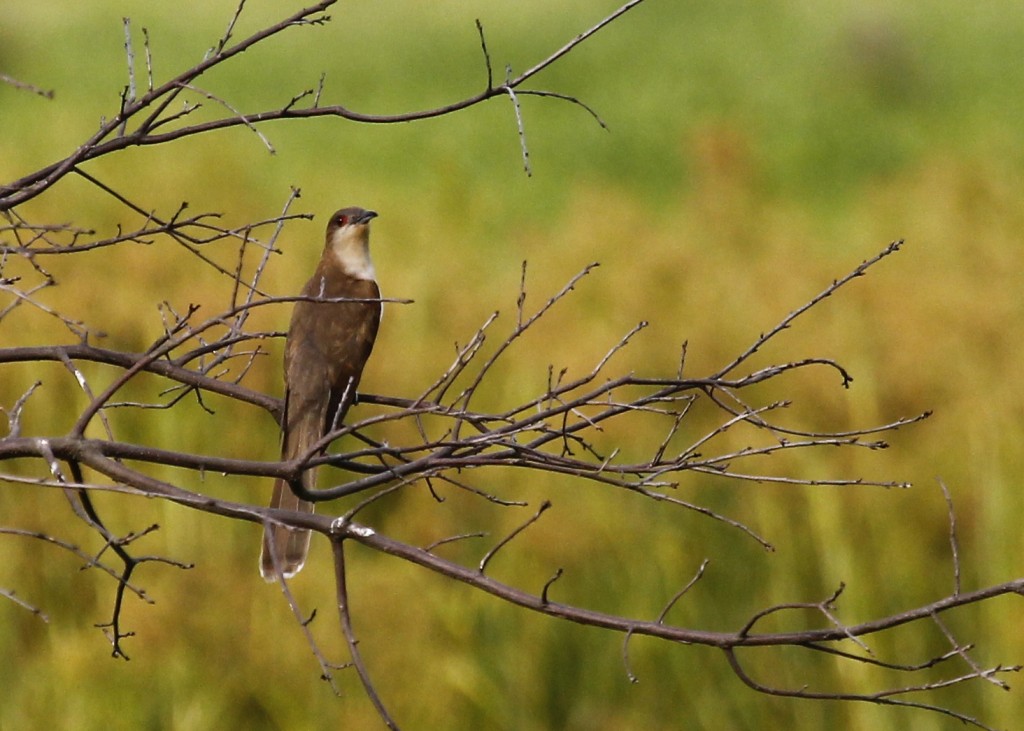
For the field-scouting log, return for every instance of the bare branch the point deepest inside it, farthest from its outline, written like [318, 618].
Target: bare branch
[45, 93]
[8, 594]
[101, 143]
[507, 539]
[344, 614]
[487, 55]
[954, 545]
[519, 122]
[303, 622]
[824, 294]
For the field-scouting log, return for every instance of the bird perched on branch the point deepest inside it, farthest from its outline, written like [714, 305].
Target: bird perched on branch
[328, 345]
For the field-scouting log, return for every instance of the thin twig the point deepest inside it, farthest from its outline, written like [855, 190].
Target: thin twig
[519, 124]
[954, 544]
[482, 567]
[345, 616]
[45, 93]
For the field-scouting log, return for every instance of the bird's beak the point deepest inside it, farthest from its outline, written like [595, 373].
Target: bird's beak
[366, 216]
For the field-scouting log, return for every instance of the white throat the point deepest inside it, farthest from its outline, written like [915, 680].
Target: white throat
[352, 250]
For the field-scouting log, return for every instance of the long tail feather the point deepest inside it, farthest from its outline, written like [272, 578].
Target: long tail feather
[285, 549]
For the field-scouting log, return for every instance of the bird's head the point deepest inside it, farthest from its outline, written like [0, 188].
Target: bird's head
[348, 238]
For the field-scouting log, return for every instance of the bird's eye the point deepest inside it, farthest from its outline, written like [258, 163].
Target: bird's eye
[341, 220]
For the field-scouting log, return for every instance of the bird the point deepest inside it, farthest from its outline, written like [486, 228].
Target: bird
[327, 346]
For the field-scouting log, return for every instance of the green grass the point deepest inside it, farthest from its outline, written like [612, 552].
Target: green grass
[755, 152]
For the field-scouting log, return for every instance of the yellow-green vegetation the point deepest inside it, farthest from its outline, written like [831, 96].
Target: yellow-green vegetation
[755, 151]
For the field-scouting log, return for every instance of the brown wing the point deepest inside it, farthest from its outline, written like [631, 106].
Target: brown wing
[328, 346]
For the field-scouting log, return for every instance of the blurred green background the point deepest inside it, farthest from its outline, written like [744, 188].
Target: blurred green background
[755, 151]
